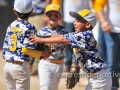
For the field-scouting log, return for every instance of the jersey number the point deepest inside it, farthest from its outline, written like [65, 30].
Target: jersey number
[14, 42]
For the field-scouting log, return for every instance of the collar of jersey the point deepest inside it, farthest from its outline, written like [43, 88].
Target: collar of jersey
[21, 19]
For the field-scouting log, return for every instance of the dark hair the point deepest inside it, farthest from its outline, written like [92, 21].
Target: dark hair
[91, 27]
[23, 15]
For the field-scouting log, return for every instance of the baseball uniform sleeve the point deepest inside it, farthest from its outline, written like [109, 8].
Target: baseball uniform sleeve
[31, 52]
[77, 39]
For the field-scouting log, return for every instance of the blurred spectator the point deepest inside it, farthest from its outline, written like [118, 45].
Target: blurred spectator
[101, 43]
[36, 17]
[110, 24]
[3, 3]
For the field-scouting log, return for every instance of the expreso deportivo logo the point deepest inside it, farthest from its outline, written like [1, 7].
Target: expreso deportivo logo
[84, 75]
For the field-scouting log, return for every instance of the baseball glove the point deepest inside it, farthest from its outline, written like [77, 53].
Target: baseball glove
[73, 77]
[42, 47]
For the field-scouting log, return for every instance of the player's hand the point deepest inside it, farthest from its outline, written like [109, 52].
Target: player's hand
[106, 27]
[46, 53]
[34, 39]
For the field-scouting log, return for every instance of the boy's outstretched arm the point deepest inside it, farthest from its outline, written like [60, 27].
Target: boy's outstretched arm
[53, 39]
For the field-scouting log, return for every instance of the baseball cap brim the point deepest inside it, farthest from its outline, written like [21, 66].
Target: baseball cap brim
[75, 15]
[51, 11]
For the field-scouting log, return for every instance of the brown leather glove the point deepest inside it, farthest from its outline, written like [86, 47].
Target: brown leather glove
[73, 77]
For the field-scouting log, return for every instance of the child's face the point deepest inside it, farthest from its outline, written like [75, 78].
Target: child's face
[79, 25]
[53, 18]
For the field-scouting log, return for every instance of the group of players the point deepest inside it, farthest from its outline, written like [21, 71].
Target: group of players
[21, 42]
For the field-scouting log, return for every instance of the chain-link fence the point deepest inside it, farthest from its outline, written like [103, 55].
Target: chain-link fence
[6, 17]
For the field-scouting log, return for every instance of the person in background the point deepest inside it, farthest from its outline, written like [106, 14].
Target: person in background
[37, 16]
[3, 3]
[110, 24]
[101, 43]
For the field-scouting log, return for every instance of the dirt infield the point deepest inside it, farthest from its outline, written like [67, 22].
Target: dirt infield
[35, 80]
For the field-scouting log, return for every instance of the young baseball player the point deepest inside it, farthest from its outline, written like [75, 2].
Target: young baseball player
[16, 45]
[48, 68]
[87, 54]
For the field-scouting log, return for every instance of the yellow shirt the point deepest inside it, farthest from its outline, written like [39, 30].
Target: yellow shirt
[56, 2]
[99, 4]
[96, 4]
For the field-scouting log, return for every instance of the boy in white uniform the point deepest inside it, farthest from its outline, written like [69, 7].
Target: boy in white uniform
[48, 68]
[17, 45]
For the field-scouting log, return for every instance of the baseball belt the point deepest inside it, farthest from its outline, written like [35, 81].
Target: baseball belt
[56, 61]
[15, 62]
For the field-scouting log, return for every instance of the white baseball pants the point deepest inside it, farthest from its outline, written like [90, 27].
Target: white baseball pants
[48, 75]
[17, 76]
[102, 81]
